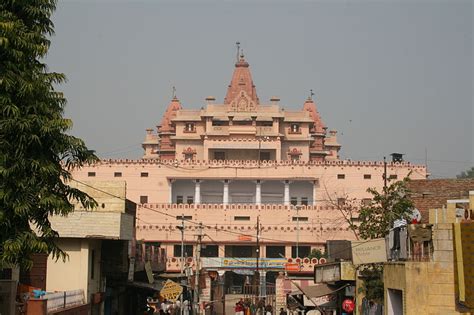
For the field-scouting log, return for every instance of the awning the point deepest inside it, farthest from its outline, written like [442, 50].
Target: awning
[145, 285]
[315, 291]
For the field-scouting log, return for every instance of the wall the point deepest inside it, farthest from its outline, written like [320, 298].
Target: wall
[428, 287]
[83, 224]
[75, 272]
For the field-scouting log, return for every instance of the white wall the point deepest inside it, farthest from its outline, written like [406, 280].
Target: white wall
[75, 272]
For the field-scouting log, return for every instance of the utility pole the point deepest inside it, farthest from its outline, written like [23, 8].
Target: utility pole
[182, 260]
[297, 230]
[198, 267]
[257, 273]
[384, 173]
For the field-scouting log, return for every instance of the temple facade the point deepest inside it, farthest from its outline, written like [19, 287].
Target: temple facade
[227, 166]
[242, 128]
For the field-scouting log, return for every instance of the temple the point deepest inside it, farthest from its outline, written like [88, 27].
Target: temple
[242, 128]
[263, 185]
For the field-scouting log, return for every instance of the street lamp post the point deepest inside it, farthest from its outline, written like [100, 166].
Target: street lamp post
[181, 228]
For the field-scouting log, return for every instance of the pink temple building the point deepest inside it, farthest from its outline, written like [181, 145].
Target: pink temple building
[227, 165]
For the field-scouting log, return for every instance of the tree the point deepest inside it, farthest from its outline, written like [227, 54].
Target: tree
[467, 174]
[376, 221]
[36, 153]
[391, 204]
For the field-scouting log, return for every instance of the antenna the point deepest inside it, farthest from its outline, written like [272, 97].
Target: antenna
[238, 50]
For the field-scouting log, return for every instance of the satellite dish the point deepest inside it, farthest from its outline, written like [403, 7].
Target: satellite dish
[415, 216]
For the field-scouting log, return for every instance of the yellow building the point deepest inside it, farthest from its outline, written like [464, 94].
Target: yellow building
[438, 276]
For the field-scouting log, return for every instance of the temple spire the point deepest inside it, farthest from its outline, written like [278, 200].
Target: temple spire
[241, 81]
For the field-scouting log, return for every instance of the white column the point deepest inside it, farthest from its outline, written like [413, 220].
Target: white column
[171, 181]
[315, 185]
[258, 192]
[197, 191]
[286, 194]
[225, 200]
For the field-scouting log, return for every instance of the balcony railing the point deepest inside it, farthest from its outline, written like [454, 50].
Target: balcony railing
[410, 243]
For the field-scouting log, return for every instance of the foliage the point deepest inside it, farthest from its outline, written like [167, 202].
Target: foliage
[387, 206]
[317, 253]
[373, 283]
[467, 174]
[36, 154]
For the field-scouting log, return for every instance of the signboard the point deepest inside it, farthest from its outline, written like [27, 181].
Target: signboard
[292, 267]
[171, 290]
[131, 269]
[323, 301]
[368, 252]
[243, 263]
[149, 272]
[205, 295]
[246, 238]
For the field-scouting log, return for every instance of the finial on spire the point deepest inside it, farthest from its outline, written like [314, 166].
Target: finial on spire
[174, 93]
[311, 94]
[238, 50]
[241, 53]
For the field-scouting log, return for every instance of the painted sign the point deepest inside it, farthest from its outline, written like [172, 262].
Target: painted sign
[243, 263]
[368, 252]
[292, 267]
[171, 290]
[149, 272]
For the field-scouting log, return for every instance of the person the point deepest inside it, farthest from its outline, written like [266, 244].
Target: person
[282, 311]
[268, 310]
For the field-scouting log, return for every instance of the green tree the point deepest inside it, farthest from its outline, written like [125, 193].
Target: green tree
[376, 221]
[391, 204]
[467, 174]
[36, 153]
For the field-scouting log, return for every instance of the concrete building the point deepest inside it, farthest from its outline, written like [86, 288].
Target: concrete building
[228, 165]
[98, 243]
[440, 279]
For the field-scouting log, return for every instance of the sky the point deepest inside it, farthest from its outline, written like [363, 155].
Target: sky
[389, 76]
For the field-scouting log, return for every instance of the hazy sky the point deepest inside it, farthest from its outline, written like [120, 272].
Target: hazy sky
[390, 76]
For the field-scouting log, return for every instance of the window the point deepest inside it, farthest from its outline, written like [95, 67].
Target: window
[295, 157]
[92, 264]
[219, 155]
[209, 251]
[91, 174]
[294, 201]
[188, 156]
[303, 251]
[299, 219]
[341, 176]
[179, 199]
[267, 123]
[275, 251]
[304, 201]
[240, 251]
[241, 218]
[189, 127]
[118, 174]
[295, 128]
[393, 176]
[186, 217]
[217, 123]
[188, 250]
[367, 176]
[143, 199]
[264, 156]
[144, 174]
[190, 200]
